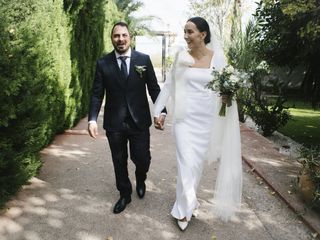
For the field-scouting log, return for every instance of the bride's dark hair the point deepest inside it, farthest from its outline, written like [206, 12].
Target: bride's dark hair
[203, 26]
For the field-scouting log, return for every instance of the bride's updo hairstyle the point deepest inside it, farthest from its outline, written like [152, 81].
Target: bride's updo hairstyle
[202, 26]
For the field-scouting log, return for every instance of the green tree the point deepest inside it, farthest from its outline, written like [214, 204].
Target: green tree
[289, 35]
[137, 25]
[215, 12]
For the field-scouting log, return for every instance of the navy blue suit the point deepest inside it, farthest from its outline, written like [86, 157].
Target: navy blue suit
[126, 113]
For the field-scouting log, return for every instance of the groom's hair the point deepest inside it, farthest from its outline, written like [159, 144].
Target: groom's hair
[202, 26]
[122, 24]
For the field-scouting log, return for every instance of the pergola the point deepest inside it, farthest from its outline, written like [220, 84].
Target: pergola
[165, 35]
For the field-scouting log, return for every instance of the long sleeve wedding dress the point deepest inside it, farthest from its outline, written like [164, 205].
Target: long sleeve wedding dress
[200, 134]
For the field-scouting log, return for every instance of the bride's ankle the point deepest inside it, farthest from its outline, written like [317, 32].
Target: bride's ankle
[183, 219]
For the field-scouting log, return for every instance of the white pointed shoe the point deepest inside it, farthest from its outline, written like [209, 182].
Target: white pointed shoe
[182, 225]
[195, 213]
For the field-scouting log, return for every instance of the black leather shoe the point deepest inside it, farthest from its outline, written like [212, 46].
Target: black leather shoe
[121, 204]
[141, 189]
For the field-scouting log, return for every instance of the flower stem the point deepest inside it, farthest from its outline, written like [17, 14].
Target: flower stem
[222, 111]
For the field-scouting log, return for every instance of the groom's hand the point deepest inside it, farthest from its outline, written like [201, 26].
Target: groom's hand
[93, 129]
[159, 122]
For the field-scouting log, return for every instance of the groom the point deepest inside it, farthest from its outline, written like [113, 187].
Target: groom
[122, 76]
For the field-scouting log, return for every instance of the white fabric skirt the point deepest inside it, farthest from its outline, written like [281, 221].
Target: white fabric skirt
[192, 135]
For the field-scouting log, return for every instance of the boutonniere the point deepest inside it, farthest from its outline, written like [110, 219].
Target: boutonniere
[140, 69]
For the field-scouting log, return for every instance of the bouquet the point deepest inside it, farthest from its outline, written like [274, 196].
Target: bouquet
[227, 82]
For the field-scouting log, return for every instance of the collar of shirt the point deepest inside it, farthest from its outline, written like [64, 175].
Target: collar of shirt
[128, 55]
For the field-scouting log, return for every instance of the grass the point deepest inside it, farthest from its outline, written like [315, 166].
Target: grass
[304, 127]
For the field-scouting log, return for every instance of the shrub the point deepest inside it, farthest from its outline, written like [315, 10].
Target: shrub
[310, 160]
[268, 116]
[48, 51]
[267, 111]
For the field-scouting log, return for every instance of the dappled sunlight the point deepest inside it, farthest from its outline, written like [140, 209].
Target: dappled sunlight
[50, 197]
[13, 212]
[153, 187]
[53, 213]
[250, 219]
[41, 211]
[269, 161]
[87, 236]
[68, 194]
[167, 235]
[53, 207]
[36, 201]
[9, 226]
[35, 183]
[31, 235]
[93, 207]
[58, 151]
[55, 223]
[310, 126]
[305, 112]
[151, 226]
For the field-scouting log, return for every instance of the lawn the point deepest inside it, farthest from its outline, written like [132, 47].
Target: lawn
[304, 127]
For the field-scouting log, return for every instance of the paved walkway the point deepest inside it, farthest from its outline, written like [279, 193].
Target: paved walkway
[279, 172]
[73, 196]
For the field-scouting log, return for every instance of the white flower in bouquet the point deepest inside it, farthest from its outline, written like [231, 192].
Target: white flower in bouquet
[227, 82]
[229, 69]
[234, 79]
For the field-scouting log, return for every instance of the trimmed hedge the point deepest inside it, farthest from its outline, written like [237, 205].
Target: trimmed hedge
[48, 50]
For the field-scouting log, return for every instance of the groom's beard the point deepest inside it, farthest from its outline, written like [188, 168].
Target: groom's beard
[122, 47]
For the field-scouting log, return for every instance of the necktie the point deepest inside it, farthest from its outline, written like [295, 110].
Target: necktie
[123, 68]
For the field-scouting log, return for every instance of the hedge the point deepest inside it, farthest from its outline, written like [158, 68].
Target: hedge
[48, 50]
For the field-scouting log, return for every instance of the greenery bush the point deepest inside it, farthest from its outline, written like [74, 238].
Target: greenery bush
[267, 111]
[310, 160]
[242, 55]
[268, 116]
[48, 51]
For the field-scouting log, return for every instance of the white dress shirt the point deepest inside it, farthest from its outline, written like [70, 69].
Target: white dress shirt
[128, 55]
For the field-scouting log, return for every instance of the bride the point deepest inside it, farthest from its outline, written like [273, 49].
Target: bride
[199, 131]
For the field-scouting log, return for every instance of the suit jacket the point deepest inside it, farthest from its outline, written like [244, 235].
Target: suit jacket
[123, 96]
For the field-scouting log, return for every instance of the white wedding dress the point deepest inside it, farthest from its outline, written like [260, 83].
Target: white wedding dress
[195, 130]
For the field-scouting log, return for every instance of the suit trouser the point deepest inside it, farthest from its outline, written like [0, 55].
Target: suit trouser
[139, 145]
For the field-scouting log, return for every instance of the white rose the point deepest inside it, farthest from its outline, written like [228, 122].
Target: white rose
[229, 69]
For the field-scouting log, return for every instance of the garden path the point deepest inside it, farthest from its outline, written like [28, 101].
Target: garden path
[73, 195]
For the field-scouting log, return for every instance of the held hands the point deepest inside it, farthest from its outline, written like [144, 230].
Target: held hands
[159, 122]
[93, 129]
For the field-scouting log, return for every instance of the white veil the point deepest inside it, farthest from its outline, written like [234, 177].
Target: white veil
[225, 146]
